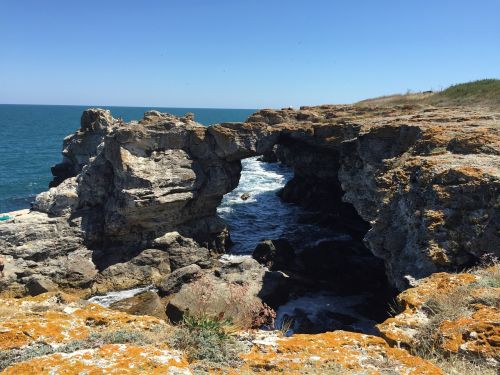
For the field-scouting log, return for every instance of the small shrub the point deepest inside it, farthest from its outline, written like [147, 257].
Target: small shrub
[9, 357]
[439, 308]
[206, 341]
[488, 272]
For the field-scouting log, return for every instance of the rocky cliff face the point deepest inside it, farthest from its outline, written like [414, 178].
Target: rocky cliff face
[122, 188]
[423, 182]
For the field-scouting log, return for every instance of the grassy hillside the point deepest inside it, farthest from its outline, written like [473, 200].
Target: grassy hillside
[483, 93]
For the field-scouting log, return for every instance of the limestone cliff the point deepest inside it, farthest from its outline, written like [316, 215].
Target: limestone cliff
[424, 182]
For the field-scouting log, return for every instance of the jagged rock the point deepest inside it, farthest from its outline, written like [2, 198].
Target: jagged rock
[147, 268]
[79, 148]
[173, 282]
[121, 187]
[147, 303]
[38, 285]
[182, 251]
[236, 291]
[60, 200]
[424, 181]
[274, 254]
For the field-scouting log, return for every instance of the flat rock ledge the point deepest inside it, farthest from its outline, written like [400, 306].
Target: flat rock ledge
[63, 324]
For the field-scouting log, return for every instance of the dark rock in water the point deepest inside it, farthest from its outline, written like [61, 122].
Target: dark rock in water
[245, 196]
[147, 303]
[275, 254]
[269, 156]
[173, 282]
[237, 290]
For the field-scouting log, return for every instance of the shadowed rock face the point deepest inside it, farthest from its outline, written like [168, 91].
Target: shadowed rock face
[425, 182]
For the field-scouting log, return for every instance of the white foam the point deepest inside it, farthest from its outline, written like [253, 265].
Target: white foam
[107, 299]
[315, 306]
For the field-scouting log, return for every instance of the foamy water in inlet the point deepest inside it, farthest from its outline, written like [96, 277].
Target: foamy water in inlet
[263, 216]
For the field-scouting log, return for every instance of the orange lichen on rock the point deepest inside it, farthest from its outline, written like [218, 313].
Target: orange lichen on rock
[471, 321]
[58, 318]
[441, 282]
[108, 359]
[476, 334]
[323, 352]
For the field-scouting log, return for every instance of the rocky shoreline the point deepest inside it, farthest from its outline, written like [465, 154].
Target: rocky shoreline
[134, 204]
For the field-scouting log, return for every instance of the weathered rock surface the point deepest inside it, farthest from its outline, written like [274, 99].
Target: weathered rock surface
[122, 189]
[425, 181]
[146, 303]
[462, 311]
[55, 333]
[237, 290]
[333, 353]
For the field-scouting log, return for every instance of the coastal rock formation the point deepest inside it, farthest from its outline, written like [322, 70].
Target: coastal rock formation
[121, 191]
[424, 182]
[421, 185]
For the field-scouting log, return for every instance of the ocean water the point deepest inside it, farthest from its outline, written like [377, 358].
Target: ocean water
[31, 138]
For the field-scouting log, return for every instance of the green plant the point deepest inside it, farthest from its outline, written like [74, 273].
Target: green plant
[206, 341]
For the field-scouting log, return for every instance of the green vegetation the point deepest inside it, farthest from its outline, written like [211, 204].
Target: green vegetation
[484, 93]
[207, 341]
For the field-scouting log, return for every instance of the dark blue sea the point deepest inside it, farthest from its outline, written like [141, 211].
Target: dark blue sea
[31, 138]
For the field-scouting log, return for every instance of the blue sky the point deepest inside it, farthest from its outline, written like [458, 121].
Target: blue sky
[240, 54]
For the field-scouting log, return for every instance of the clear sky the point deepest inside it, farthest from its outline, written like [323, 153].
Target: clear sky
[240, 54]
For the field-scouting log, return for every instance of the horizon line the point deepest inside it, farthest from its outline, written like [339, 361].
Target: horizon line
[130, 106]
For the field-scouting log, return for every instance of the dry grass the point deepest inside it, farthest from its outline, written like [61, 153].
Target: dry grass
[457, 365]
[451, 306]
[483, 93]
[94, 340]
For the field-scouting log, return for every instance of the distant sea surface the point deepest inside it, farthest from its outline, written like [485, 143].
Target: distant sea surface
[31, 138]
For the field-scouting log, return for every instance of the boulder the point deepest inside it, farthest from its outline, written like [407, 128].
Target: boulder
[182, 251]
[147, 303]
[236, 291]
[147, 268]
[275, 254]
[173, 282]
[39, 285]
